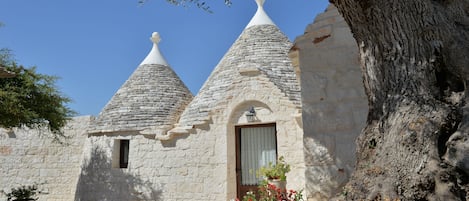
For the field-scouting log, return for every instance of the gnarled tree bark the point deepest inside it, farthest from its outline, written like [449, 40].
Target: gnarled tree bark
[415, 64]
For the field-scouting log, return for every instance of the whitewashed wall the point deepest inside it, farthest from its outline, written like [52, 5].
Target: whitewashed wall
[28, 156]
[271, 106]
[334, 102]
[184, 168]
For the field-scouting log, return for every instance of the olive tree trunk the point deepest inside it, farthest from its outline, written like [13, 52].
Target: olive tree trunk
[415, 64]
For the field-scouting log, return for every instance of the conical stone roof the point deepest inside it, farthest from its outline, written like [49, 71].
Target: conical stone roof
[261, 45]
[153, 96]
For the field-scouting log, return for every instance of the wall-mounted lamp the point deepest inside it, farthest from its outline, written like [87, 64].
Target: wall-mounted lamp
[251, 114]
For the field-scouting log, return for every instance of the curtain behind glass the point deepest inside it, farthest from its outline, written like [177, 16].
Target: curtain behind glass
[258, 148]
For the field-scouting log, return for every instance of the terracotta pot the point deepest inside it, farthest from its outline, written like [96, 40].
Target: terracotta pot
[279, 184]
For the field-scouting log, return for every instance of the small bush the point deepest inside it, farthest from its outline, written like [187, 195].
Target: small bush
[269, 192]
[23, 193]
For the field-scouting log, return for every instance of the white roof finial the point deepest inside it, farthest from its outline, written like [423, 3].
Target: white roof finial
[260, 3]
[155, 56]
[155, 37]
[260, 17]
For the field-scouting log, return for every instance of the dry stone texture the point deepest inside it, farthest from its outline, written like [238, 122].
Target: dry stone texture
[153, 96]
[334, 103]
[29, 157]
[263, 48]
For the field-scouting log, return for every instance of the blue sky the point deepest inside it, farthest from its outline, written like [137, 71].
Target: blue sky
[95, 45]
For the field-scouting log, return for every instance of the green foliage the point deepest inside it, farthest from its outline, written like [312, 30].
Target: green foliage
[269, 192]
[250, 196]
[32, 99]
[23, 193]
[276, 171]
[6, 57]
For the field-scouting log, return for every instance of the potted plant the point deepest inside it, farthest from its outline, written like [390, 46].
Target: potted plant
[276, 173]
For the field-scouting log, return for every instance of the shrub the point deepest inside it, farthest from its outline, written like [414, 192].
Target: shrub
[23, 193]
[269, 192]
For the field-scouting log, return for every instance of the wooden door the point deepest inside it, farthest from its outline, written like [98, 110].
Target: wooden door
[256, 146]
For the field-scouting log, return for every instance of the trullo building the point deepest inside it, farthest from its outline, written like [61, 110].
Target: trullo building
[155, 141]
[246, 114]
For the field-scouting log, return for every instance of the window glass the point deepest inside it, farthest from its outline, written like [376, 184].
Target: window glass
[124, 154]
[258, 148]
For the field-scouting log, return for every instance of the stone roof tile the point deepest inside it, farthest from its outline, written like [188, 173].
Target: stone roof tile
[153, 96]
[263, 47]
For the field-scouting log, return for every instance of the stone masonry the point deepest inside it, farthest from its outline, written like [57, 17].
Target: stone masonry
[255, 72]
[185, 149]
[152, 96]
[334, 102]
[28, 156]
[260, 48]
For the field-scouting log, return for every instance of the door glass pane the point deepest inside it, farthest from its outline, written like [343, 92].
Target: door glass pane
[258, 148]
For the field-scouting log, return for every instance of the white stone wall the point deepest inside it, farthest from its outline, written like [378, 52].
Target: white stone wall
[28, 156]
[184, 168]
[271, 106]
[334, 102]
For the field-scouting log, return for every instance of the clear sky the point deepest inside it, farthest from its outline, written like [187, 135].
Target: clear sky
[95, 45]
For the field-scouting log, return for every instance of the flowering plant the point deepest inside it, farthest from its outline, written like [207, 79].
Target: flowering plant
[277, 171]
[269, 192]
[250, 196]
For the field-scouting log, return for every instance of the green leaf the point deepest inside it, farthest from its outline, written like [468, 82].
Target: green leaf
[31, 99]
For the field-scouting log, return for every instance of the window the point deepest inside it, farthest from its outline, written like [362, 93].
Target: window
[120, 154]
[124, 154]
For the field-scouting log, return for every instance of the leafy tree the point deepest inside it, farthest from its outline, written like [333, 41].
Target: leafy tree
[6, 57]
[31, 99]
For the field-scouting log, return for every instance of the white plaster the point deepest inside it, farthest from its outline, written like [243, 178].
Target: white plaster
[335, 110]
[155, 56]
[261, 17]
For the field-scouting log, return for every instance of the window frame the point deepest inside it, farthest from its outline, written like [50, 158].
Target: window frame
[242, 189]
[124, 147]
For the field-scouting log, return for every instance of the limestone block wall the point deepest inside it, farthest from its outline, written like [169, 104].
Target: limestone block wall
[28, 156]
[334, 103]
[186, 167]
[252, 89]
